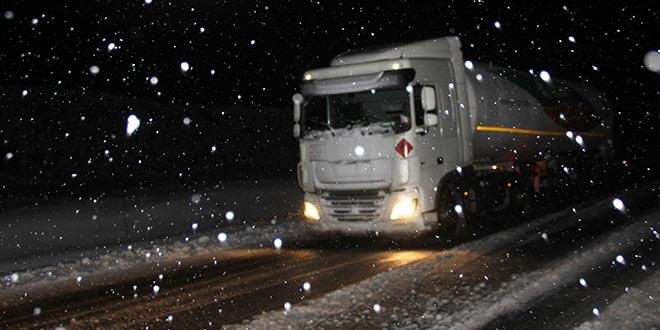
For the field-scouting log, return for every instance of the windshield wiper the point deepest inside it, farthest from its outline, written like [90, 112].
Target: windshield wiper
[321, 123]
[375, 120]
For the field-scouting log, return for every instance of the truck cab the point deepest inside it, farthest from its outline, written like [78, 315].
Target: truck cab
[379, 131]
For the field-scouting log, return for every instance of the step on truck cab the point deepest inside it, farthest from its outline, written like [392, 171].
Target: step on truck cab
[388, 135]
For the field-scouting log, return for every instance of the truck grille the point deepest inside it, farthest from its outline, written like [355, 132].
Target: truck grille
[357, 205]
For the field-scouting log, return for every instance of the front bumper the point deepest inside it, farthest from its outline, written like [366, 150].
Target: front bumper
[362, 212]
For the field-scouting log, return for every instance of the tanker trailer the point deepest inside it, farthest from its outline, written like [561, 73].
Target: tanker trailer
[410, 137]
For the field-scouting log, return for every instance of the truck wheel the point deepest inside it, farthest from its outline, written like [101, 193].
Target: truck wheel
[516, 199]
[471, 204]
[452, 225]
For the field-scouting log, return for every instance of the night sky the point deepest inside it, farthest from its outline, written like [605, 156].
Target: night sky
[252, 54]
[259, 49]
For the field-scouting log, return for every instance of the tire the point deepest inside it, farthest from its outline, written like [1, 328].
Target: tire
[452, 226]
[516, 200]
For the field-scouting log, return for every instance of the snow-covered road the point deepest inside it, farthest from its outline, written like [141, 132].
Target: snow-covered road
[487, 283]
[547, 272]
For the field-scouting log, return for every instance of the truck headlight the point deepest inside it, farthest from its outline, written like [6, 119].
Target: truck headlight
[404, 208]
[311, 212]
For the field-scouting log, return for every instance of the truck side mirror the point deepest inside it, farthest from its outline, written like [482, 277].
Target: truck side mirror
[297, 101]
[428, 98]
[296, 130]
[430, 119]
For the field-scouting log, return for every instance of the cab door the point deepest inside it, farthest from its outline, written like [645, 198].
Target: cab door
[429, 145]
[450, 144]
[438, 145]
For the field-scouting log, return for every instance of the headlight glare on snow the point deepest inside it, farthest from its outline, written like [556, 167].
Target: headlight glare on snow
[311, 212]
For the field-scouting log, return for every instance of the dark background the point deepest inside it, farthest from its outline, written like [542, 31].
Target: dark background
[259, 50]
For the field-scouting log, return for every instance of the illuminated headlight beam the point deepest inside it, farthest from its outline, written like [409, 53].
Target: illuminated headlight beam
[404, 208]
[311, 212]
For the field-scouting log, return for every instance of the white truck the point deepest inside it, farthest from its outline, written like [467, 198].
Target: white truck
[410, 137]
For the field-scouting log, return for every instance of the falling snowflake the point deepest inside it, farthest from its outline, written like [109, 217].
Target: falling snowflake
[469, 65]
[620, 259]
[277, 243]
[196, 198]
[618, 204]
[187, 121]
[377, 308]
[652, 61]
[185, 66]
[94, 69]
[111, 46]
[545, 76]
[306, 286]
[229, 215]
[156, 288]
[287, 306]
[153, 80]
[583, 282]
[9, 156]
[132, 124]
[194, 226]
[222, 237]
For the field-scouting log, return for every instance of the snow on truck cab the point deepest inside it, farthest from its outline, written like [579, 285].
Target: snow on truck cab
[409, 137]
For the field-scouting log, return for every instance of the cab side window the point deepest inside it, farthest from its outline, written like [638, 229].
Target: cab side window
[419, 112]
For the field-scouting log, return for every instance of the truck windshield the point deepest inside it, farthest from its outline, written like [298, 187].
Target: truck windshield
[383, 107]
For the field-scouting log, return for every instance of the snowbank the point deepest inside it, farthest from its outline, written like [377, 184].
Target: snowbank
[142, 259]
[115, 234]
